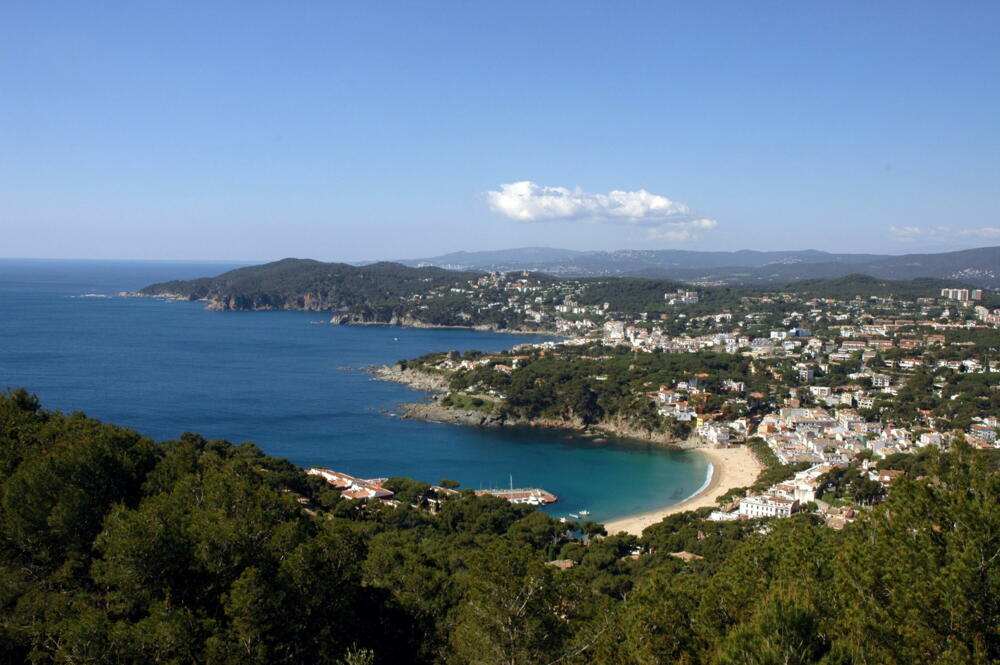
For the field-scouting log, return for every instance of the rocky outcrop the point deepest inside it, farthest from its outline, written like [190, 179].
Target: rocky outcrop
[407, 321]
[366, 319]
[613, 428]
[404, 321]
[261, 302]
[435, 412]
[423, 381]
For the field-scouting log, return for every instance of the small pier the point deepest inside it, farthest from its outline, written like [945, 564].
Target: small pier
[529, 495]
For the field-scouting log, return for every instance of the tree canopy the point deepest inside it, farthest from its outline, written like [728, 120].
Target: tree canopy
[116, 548]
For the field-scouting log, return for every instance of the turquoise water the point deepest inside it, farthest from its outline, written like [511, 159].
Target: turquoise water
[279, 379]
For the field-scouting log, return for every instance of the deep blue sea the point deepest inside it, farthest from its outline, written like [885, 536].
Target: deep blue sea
[279, 379]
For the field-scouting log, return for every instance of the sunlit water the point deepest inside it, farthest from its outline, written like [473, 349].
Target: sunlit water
[279, 379]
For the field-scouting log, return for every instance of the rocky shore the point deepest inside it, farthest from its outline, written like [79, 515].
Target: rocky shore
[436, 413]
[433, 411]
[160, 296]
[423, 381]
[407, 321]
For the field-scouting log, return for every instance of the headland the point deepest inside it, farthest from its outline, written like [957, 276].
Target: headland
[434, 410]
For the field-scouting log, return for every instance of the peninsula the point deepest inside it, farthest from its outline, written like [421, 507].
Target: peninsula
[380, 294]
[522, 301]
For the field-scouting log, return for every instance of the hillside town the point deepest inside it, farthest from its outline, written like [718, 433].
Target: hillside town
[828, 385]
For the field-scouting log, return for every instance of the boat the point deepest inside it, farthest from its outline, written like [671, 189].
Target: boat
[584, 512]
[574, 516]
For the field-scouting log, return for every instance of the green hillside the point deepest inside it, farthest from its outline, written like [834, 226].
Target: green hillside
[313, 285]
[118, 549]
[865, 286]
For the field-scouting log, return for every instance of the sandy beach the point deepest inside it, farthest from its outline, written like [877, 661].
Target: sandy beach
[731, 467]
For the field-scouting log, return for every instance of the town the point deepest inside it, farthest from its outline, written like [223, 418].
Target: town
[838, 395]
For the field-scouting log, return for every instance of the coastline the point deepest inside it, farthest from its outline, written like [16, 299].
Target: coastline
[729, 468]
[346, 318]
[419, 325]
[432, 411]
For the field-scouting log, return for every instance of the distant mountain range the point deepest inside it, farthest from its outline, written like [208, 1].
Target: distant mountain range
[980, 266]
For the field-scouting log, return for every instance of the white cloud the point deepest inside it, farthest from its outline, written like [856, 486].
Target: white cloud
[526, 201]
[982, 232]
[914, 233]
[682, 230]
[906, 233]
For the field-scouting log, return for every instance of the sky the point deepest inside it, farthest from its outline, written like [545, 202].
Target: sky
[378, 130]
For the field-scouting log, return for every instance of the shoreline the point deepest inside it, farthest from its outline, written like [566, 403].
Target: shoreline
[432, 411]
[435, 326]
[729, 468]
[414, 324]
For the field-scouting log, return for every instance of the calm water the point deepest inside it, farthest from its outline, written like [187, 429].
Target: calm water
[278, 379]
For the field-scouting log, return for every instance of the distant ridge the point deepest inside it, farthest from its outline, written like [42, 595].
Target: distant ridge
[308, 284]
[980, 267]
[394, 294]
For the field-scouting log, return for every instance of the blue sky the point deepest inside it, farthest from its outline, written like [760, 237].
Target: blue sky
[348, 131]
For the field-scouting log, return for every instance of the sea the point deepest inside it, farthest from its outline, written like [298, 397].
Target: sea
[295, 386]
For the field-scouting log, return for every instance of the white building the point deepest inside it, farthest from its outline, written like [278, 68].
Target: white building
[767, 506]
[716, 435]
[614, 330]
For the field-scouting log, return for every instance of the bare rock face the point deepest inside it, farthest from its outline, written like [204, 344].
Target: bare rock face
[363, 319]
[423, 381]
[434, 412]
[245, 303]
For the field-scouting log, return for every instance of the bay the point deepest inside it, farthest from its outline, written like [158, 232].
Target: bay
[279, 379]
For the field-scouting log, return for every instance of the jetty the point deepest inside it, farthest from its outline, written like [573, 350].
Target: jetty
[529, 495]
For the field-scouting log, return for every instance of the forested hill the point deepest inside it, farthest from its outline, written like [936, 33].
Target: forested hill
[389, 293]
[118, 549]
[866, 286]
[311, 285]
[980, 266]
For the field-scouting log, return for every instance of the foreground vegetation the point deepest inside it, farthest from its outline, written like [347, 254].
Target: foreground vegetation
[117, 549]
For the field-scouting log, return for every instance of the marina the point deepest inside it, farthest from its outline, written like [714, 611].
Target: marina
[531, 495]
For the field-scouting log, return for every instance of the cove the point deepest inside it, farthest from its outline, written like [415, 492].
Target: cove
[289, 382]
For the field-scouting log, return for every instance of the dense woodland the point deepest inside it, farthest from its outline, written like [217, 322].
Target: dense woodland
[118, 549]
[312, 285]
[865, 286]
[594, 384]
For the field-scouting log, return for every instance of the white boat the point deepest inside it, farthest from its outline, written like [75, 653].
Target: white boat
[584, 512]
[574, 516]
